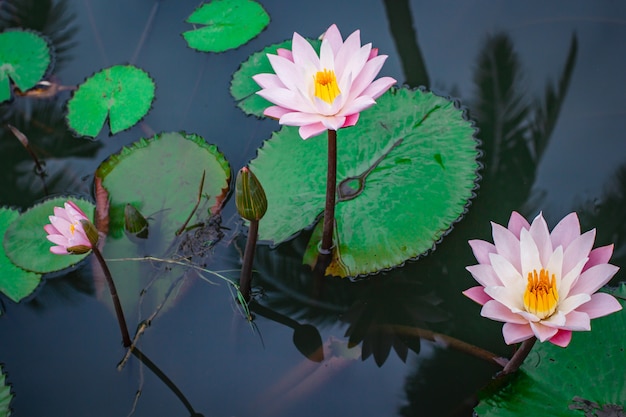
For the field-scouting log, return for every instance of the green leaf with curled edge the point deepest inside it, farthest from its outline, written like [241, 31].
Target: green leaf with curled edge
[15, 282]
[227, 24]
[24, 59]
[5, 395]
[584, 379]
[25, 242]
[243, 88]
[121, 93]
[405, 174]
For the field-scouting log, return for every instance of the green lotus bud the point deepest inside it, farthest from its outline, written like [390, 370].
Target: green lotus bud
[249, 196]
[90, 231]
[134, 222]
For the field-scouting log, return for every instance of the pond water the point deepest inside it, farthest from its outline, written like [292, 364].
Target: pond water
[61, 347]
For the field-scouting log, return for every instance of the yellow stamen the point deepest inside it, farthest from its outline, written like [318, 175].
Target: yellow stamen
[72, 228]
[541, 296]
[326, 86]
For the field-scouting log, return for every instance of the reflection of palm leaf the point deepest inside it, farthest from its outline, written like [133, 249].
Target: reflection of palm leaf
[547, 113]
[46, 16]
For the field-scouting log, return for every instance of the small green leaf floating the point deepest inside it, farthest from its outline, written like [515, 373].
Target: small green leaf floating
[228, 24]
[122, 93]
[243, 88]
[585, 378]
[5, 395]
[15, 282]
[24, 59]
[405, 174]
[25, 241]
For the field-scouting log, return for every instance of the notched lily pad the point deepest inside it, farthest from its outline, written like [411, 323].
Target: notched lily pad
[5, 395]
[15, 282]
[24, 59]
[584, 379]
[122, 93]
[405, 173]
[228, 24]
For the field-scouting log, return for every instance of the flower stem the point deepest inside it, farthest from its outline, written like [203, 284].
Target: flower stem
[519, 356]
[116, 301]
[331, 187]
[245, 280]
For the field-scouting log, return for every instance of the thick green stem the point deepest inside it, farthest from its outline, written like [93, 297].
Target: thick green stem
[519, 356]
[116, 301]
[331, 187]
[245, 280]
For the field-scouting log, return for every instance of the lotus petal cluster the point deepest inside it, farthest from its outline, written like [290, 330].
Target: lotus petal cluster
[66, 230]
[541, 283]
[325, 92]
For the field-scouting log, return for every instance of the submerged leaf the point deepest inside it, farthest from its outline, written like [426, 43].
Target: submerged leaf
[25, 240]
[553, 381]
[5, 395]
[15, 282]
[24, 59]
[122, 93]
[228, 24]
[405, 174]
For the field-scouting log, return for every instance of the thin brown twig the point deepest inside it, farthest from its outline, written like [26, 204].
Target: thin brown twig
[195, 207]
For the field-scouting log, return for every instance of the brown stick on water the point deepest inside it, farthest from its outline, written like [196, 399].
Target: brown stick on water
[245, 280]
[116, 301]
[331, 187]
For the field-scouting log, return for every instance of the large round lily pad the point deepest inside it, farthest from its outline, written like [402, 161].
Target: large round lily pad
[16, 283]
[405, 174]
[584, 379]
[226, 24]
[24, 59]
[122, 93]
[25, 240]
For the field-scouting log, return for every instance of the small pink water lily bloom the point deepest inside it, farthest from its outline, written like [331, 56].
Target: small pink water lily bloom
[67, 231]
[540, 283]
[325, 92]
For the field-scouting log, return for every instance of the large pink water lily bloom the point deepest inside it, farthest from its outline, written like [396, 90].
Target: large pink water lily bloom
[325, 92]
[66, 230]
[540, 283]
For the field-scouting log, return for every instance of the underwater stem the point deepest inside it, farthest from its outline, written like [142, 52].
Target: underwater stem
[116, 301]
[331, 187]
[245, 280]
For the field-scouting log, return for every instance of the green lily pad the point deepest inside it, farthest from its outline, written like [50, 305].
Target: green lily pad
[161, 178]
[405, 174]
[123, 93]
[15, 282]
[228, 24]
[25, 240]
[24, 58]
[243, 88]
[584, 379]
[5, 395]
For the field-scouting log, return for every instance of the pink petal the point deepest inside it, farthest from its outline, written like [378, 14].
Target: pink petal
[276, 112]
[283, 98]
[599, 256]
[378, 87]
[268, 81]
[351, 120]
[516, 223]
[333, 122]
[481, 250]
[543, 332]
[61, 213]
[496, 311]
[285, 53]
[351, 57]
[333, 37]
[51, 230]
[565, 231]
[578, 321]
[300, 119]
[593, 279]
[601, 304]
[61, 224]
[74, 211]
[58, 240]
[572, 302]
[357, 105]
[484, 275]
[59, 250]
[313, 129]
[515, 333]
[541, 236]
[561, 338]
[507, 245]
[477, 294]
[366, 75]
[578, 249]
[508, 274]
[303, 54]
[288, 72]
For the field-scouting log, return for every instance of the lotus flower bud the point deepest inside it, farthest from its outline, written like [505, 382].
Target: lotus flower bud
[249, 196]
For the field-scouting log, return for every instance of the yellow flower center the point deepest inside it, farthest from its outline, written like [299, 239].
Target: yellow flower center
[541, 296]
[72, 228]
[326, 86]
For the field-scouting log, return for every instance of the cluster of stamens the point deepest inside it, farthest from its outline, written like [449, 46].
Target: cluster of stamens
[541, 296]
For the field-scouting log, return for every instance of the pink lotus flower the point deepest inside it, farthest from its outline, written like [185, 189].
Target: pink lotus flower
[67, 231]
[325, 92]
[540, 283]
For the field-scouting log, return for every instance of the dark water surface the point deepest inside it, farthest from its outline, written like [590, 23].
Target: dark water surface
[61, 348]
